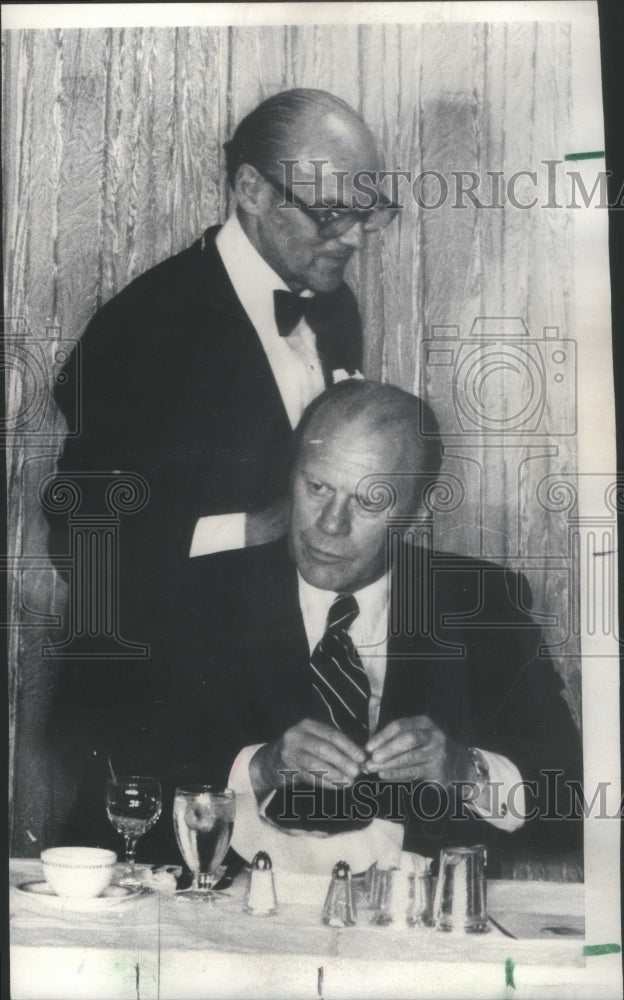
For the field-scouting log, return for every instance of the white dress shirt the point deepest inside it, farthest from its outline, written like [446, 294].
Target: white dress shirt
[294, 362]
[381, 840]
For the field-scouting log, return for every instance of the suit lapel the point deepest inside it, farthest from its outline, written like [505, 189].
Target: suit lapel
[339, 346]
[419, 680]
[227, 379]
[243, 358]
[281, 675]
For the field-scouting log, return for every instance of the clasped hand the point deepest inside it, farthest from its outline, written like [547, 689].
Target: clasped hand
[416, 749]
[409, 749]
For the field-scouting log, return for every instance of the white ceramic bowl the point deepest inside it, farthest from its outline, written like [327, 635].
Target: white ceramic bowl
[78, 872]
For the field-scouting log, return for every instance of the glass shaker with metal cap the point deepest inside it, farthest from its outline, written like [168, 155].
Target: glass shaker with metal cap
[260, 900]
[339, 909]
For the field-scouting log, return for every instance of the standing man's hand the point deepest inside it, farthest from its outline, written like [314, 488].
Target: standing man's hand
[415, 749]
[308, 746]
[267, 525]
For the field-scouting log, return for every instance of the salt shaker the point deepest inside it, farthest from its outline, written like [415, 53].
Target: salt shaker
[260, 900]
[339, 909]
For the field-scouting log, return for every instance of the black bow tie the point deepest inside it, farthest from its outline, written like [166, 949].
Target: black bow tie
[333, 318]
[320, 311]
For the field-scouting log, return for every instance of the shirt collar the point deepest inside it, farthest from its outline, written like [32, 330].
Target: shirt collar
[254, 280]
[372, 601]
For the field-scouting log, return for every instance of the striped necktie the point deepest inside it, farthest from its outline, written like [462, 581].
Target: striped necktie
[340, 683]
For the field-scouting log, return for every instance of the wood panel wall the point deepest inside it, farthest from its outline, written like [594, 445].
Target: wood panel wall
[113, 161]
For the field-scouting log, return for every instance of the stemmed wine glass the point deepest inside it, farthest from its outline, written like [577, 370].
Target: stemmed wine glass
[203, 817]
[133, 805]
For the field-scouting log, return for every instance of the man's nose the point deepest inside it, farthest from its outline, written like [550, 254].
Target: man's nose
[354, 236]
[334, 517]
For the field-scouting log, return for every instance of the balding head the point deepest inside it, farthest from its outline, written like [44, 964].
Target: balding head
[363, 408]
[301, 124]
[295, 155]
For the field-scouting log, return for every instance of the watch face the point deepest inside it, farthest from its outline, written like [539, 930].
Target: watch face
[477, 758]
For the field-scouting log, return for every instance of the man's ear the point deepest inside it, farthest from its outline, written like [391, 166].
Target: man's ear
[252, 191]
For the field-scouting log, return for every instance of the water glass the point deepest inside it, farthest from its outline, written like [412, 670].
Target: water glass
[460, 901]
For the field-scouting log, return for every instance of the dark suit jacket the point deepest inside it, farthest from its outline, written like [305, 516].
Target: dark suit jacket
[176, 387]
[471, 663]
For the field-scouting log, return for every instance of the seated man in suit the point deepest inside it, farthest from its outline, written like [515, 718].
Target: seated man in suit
[366, 693]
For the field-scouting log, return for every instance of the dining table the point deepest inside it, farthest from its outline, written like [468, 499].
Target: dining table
[153, 944]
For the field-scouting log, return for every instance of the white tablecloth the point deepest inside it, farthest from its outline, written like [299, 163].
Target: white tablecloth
[159, 948]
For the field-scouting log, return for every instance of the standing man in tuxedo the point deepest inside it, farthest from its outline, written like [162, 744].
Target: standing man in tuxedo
[194, 377]
[390, 670]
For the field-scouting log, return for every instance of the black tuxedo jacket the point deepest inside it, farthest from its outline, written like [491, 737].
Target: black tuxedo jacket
[470, 662]
[176, 387]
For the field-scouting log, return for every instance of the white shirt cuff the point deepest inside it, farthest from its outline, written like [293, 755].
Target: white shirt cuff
[307, 852]
[313, 852]
[218, 534]
[507, 797]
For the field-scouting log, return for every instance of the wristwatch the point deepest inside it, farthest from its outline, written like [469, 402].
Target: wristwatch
[483, 774]
[483, 777]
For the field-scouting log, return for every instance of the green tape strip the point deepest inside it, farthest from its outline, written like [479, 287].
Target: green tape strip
[509, 971]
[596, 155]
[601, 949]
